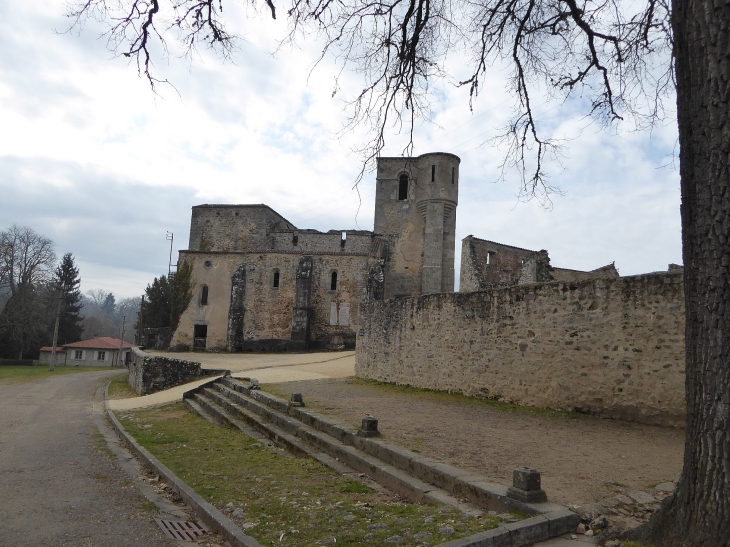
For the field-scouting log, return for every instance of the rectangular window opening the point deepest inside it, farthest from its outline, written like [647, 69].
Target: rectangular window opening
[276, 280]
[101, 356]
[78, 354]
[453, 174]
[433, 173]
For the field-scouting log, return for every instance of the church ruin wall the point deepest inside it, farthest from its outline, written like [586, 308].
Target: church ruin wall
[266, 311]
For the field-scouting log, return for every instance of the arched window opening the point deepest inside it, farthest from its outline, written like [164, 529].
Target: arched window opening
[276, 279]
[403, 187]
[333, 282]
[204, 296]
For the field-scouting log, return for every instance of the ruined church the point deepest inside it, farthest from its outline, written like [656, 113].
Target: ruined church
[262, 284]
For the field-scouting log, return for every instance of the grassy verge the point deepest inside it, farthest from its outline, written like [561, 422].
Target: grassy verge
[119, 388]
[19, 375]
[283, 500]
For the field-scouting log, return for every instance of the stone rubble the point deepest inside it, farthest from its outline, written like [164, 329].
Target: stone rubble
[620, 512]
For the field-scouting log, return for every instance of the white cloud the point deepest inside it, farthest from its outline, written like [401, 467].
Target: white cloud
[95, 160]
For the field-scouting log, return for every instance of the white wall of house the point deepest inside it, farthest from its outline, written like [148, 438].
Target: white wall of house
[85, 357]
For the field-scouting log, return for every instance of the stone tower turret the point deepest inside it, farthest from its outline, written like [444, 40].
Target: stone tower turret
[415, 205]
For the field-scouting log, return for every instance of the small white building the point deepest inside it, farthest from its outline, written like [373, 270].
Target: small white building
[96, 352]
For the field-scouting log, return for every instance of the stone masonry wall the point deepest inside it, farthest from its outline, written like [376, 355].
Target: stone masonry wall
[233, 227]
[486, 263]
[151, 373]
[611, 347]
[268, 309]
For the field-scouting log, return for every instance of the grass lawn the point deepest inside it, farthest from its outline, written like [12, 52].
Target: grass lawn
[281, 500]
[19, 375]
[119, 388]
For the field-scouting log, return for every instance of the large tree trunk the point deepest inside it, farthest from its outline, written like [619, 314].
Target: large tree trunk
[699, 513]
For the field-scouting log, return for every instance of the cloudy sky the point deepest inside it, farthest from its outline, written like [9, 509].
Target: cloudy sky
[94, 160]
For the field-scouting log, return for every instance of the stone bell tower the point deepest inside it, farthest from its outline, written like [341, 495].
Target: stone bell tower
[415, 206]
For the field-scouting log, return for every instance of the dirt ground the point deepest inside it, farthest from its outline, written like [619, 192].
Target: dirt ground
[582, 459]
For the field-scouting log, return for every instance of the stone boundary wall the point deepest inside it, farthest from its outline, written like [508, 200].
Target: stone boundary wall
[151, 373]
[611, 347]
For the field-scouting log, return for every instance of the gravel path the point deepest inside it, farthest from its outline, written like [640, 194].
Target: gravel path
[582, 460]
[58, 485]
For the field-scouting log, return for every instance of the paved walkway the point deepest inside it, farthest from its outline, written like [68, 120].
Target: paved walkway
[58, 486]
[267, 368]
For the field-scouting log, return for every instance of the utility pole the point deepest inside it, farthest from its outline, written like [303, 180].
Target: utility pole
[170, 237]
[55, 329]
[121, 341]
[139, 322]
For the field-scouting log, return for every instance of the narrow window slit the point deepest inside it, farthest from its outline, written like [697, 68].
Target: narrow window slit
[403, 187]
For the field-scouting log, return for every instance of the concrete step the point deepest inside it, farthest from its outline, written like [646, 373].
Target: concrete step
[233, 408]
[456, 482]
[414, 477]
[196, 407]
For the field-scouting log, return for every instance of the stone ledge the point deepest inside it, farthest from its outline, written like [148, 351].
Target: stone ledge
[207, 513]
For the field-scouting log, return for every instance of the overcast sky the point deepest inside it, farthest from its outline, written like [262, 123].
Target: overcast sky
[94, 160]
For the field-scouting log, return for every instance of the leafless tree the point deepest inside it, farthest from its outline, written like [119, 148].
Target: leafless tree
[26, 258]
[623, 59]
[27, 264]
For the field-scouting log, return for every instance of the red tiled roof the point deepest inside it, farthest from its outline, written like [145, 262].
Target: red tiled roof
[105, 342]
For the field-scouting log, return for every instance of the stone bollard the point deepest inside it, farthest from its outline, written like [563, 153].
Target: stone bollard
[296, 400]
[254, 384]
[526, 486]
[369, 427]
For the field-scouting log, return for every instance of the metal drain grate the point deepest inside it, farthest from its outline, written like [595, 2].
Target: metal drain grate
[181, 529]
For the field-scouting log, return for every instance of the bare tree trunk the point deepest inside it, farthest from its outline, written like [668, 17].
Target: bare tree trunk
[699, 513]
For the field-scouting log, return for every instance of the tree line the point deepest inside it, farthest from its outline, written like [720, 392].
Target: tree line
[34, 289]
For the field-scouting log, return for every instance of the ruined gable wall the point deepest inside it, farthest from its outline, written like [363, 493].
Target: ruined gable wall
[613, 347]
[505, 264]
[233, 227]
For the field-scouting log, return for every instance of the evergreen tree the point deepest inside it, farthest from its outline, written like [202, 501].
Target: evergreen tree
[167, 298]
[156, 308]
[70, 328]
[181, 292]
[109, 305]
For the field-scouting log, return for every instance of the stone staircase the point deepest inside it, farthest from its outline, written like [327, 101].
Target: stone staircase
[416, 478]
